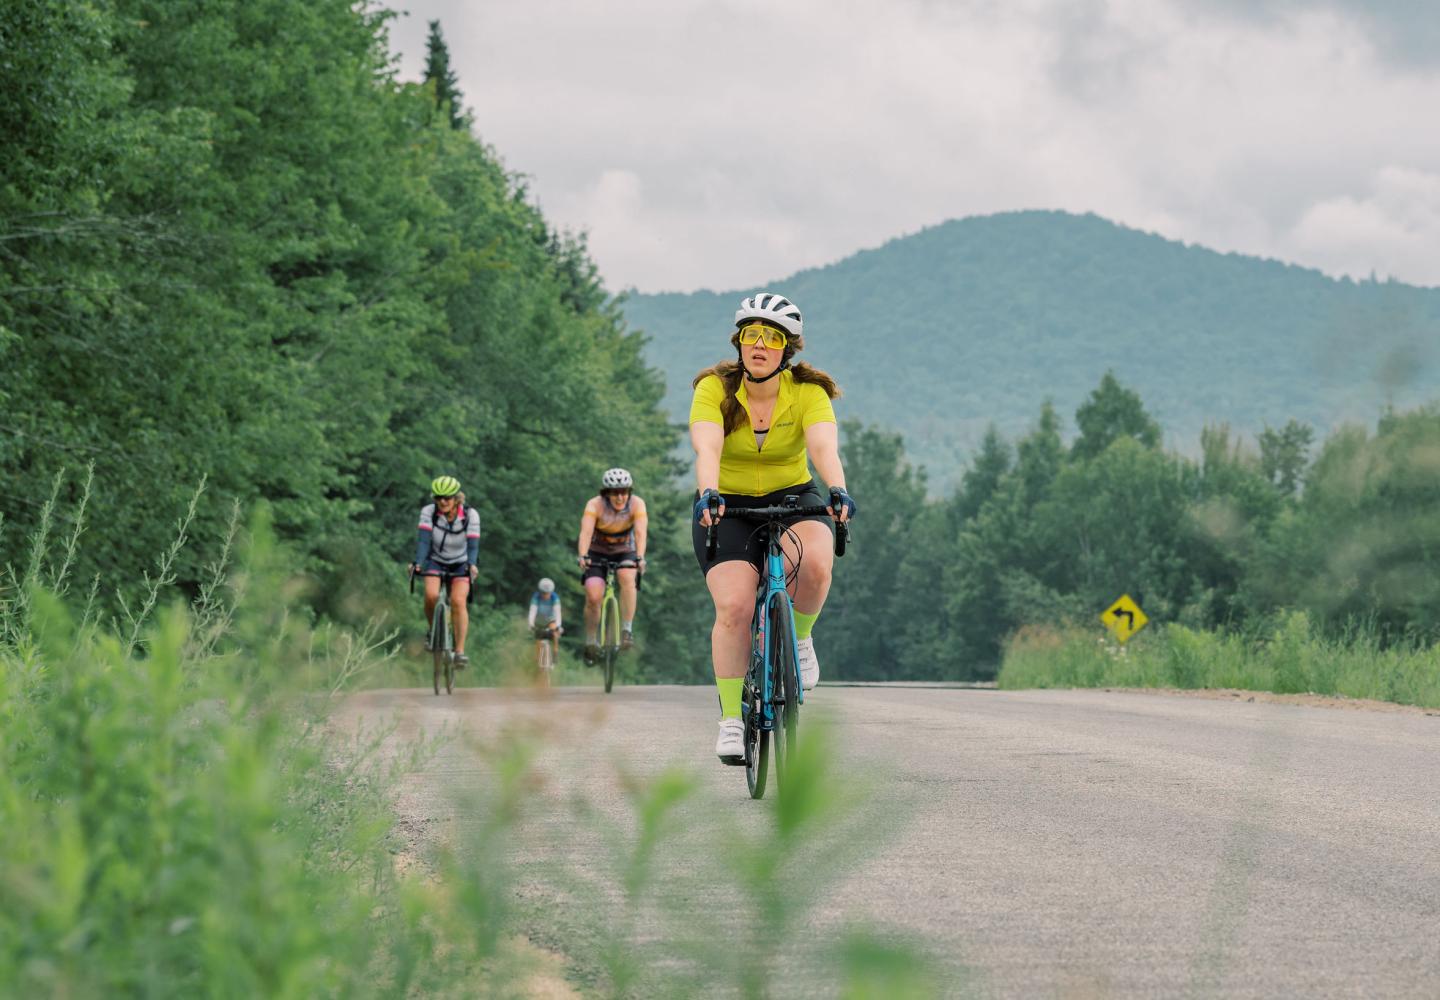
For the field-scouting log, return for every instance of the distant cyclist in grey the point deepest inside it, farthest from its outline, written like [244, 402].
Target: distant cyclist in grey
[447, 548]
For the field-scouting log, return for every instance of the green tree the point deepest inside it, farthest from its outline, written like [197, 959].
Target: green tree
[858, 638]
[1040, 453]
[980, 481]
[1362, 540]
[1284, 453]
[442, 79]
[1112, 412]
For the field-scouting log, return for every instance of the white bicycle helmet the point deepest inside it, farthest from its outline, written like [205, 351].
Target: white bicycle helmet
[774, 309]
[547, 586]
[616, 479]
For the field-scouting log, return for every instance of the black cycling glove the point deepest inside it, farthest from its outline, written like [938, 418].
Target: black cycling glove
[703, 503]
[839, 500]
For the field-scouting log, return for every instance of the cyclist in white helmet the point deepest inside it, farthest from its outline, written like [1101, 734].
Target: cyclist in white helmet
[545, 621]
[612, 527]
[753, 422]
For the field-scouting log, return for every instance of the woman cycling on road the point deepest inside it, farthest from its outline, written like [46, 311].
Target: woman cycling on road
[447, 548]
[752, 423]
[612, 527]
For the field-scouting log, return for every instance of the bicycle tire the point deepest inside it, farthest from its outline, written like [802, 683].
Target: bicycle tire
[785, 683]
[437, 643]
[757, 744]
[610, 638]
[545, 663]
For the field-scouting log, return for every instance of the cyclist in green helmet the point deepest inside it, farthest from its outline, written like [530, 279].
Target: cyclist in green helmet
[447, 548]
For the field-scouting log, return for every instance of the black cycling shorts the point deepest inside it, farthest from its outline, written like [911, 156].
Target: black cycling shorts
[596, 573]
[445, 570]
[738, 538]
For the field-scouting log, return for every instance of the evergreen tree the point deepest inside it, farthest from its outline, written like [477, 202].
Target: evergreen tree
[1040, 455]
[1112, 412]
[442, 78]
[860, 644]
[981, 480]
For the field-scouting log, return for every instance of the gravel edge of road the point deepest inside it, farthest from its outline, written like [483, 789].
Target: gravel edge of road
[1271, 697]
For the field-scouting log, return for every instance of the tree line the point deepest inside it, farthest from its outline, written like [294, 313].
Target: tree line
[236, 248]
[1039, 531]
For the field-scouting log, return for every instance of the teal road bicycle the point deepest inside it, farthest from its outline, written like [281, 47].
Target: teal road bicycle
[772, 695]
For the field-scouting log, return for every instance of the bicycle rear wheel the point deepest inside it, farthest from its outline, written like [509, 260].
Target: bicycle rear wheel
[757, 742]
[784, 686]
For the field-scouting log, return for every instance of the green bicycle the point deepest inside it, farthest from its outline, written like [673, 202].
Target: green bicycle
[610, 615]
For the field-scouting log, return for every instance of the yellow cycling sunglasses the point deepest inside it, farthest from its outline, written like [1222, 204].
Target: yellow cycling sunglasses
[771, 337]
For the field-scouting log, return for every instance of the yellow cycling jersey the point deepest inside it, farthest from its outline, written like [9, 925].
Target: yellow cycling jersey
[748, 469]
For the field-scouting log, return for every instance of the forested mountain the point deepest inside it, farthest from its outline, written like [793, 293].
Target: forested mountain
[975, 321]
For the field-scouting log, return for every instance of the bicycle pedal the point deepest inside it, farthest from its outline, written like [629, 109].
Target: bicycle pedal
[733, 761]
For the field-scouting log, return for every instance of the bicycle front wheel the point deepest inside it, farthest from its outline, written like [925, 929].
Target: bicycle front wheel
[784, 686]
[757, 742]
[438, 644]
[610, 639]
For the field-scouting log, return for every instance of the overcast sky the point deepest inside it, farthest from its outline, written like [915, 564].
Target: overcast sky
[725, 143]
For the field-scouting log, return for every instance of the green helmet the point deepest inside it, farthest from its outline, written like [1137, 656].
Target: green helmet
[445, 486]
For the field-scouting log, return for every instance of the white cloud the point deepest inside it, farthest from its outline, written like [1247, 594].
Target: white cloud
[724, 143]
[1395, 225]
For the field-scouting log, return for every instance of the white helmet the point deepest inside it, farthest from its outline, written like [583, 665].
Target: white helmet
[547, 586]
[616, 479]
[772, 308]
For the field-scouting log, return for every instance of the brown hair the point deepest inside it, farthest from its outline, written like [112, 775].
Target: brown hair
[730, 373]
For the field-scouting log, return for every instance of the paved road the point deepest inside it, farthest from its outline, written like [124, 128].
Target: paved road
[1040, 844]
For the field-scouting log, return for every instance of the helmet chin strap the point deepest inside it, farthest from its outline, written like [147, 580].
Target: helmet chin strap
[751, 378]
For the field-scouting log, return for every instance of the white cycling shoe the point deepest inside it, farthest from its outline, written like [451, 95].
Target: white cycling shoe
[730, 745]
[809, 666]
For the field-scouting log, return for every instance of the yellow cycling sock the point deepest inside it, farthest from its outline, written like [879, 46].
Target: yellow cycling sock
[730, 691]
[804, 623]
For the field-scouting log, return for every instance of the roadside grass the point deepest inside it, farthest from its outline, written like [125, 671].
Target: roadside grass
[1291, 657]
[502, 655]
[177, 817]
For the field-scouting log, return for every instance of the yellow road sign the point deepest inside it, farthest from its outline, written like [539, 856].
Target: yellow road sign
[1124, 618]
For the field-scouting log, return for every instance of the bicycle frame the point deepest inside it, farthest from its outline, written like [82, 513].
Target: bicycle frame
[440, 637]
[771, 591]
[610, 614]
